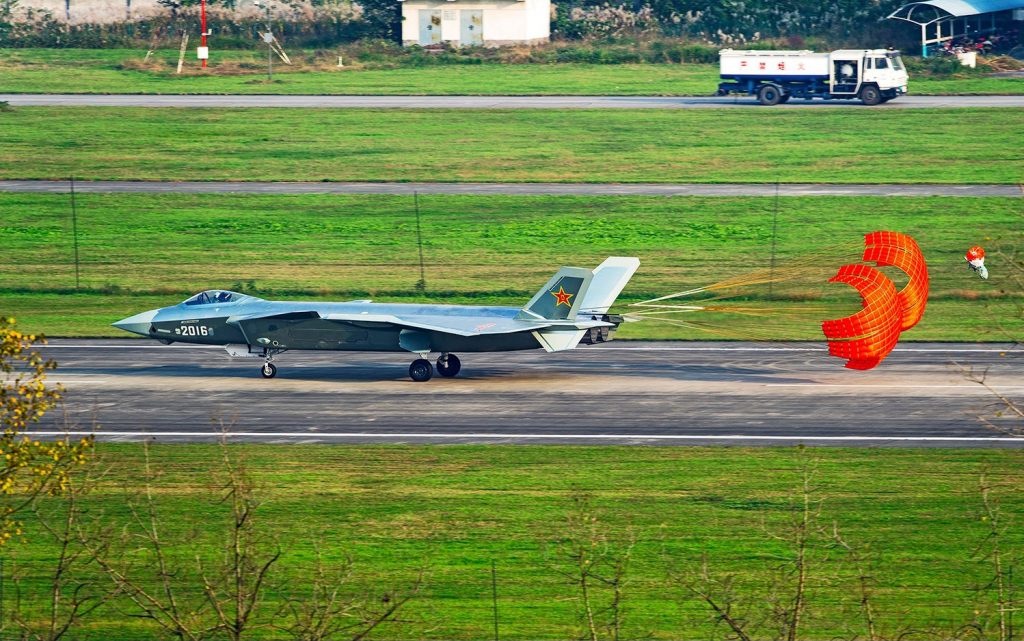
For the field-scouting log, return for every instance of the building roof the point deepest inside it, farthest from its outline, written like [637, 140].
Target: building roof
[933, 10]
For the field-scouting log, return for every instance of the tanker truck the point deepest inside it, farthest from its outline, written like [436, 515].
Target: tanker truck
[872, 75]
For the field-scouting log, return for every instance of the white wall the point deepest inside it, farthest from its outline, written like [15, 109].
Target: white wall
[505, 21]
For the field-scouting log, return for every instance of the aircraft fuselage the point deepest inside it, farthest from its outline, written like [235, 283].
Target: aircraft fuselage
[209, 325]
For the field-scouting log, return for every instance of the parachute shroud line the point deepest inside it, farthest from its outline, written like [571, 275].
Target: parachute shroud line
[864, 338]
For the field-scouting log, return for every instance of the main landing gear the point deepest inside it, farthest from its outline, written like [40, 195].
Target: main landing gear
[448, 365]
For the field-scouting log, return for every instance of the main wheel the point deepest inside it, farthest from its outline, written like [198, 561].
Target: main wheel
[451, 368]
[421, 370]
[769, 95]
[870, 96]
[269, 370]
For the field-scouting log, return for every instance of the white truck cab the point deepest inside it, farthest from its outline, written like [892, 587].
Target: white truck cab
[852, 71]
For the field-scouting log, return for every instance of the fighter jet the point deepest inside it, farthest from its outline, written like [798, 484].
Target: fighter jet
[572, 308]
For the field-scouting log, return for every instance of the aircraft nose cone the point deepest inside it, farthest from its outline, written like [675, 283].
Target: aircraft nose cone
[138, 324]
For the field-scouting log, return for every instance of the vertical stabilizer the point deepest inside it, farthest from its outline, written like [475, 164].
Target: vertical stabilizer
[560, 298]
[608, 281]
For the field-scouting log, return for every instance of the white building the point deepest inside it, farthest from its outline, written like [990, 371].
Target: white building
[489, 23]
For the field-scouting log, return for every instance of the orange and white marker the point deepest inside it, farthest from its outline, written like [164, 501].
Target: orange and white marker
[975, 258]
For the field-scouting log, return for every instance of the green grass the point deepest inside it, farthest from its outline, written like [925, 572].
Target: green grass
[243, 72]
[140, 251]
[456, 509]
[841, 145]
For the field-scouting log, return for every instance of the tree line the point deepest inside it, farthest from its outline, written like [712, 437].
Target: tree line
[321, 23]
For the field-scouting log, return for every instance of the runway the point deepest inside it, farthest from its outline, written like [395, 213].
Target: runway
[516, 189]
[619, 393]
[485, 102]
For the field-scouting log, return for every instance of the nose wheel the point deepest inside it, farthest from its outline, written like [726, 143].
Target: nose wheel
[269, 370]
[448, 365]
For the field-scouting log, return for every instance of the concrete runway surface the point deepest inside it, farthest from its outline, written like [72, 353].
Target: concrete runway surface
[516, 189]
[483, 102]
[622, 392]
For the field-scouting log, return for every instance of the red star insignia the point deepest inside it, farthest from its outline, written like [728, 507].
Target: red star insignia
[562, 297]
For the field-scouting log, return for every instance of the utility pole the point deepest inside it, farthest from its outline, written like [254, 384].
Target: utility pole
[421, 285]
[205, 52]
[775, 221]
[74, 230]
[268, 38]
[494, 597]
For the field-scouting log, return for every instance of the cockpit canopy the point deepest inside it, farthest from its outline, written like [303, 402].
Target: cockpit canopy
[216, 296]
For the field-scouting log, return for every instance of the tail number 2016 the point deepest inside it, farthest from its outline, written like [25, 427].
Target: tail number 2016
[193, 330]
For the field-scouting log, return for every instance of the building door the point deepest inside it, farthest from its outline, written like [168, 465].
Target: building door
[430, 27]
[472, 23]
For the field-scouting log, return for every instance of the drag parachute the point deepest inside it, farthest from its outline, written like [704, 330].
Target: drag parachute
[975, 258]
[893, 249]
[867, 337]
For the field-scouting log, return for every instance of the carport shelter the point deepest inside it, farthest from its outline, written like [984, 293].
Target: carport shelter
[944, 20]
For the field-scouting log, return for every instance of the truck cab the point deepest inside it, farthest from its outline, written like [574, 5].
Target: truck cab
[873, 75]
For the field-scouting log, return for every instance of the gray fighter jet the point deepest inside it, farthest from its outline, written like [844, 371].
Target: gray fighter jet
[571, 309]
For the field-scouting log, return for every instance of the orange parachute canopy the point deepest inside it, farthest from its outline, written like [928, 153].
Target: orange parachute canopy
[974, 253]
[893, 249]
[867, 337]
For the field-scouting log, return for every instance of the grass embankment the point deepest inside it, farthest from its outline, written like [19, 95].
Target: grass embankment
[914, 516]
[140, 251]
[826, 145]
[244, 72]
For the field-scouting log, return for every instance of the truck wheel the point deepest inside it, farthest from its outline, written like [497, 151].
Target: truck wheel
[784, 99]
[769, 95]
[870, 96]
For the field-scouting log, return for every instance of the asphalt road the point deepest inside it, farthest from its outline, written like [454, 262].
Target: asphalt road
[622, 393]
[517, 189]
[483, 102]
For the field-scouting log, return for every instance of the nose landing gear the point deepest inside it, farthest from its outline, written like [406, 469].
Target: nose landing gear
[269, 370]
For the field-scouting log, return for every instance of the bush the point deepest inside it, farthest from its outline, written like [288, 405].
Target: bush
[940, 67]
[322, 28]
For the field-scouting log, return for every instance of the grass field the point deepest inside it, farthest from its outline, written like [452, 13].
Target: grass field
[840, 145]
[139, 251]
[914, 516]
[244, 72]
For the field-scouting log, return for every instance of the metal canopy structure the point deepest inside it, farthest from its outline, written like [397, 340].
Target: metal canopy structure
[950, 19]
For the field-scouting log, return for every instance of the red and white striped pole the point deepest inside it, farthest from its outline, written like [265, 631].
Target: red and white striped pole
[202, 13]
